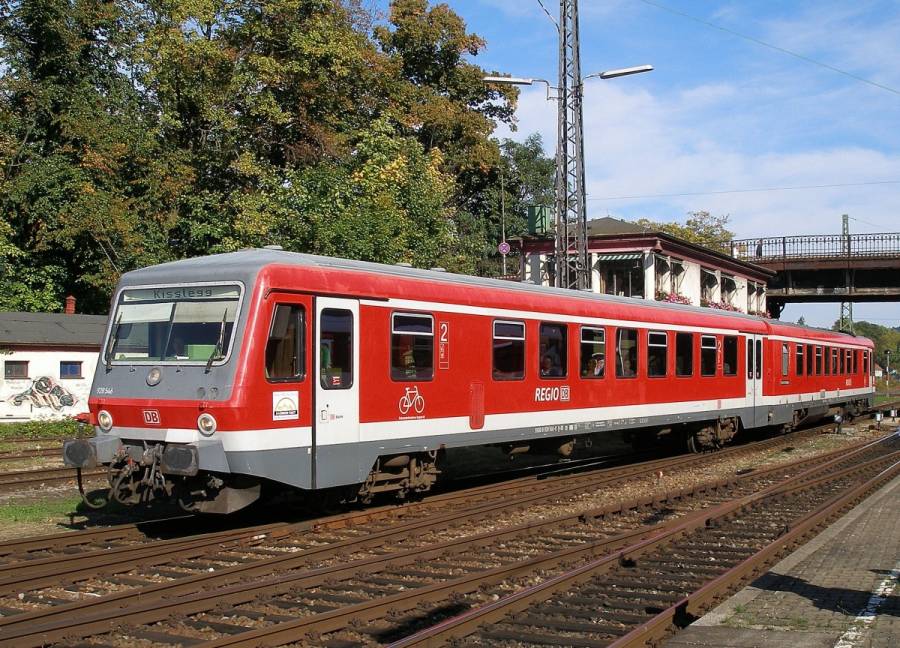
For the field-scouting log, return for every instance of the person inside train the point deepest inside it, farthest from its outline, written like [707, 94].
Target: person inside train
[548, 368]
[599, 364]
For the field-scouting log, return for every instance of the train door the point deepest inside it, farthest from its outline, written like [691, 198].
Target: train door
[754, 378]
[336, 416]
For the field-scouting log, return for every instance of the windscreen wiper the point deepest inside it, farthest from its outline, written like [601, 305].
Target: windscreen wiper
[217, 351]
[111, 342]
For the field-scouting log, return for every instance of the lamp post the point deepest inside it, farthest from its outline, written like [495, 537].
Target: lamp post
[570, 214]
[887, 371]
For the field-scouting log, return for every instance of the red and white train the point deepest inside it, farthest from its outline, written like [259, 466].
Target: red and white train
[219, 374]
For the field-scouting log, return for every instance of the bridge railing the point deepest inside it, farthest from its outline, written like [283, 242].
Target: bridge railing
[822, 246]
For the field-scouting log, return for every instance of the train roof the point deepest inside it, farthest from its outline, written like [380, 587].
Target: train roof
[246, 264]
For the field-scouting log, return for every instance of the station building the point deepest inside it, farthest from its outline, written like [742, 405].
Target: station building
[631, 261]
[48, 362]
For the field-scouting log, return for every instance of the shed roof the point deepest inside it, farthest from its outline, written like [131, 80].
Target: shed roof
[51, 329]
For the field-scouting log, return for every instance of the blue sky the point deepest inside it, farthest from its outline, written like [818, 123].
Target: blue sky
[720, 113]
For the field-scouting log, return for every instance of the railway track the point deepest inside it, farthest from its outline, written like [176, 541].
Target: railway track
[46, 600]
[40, 478]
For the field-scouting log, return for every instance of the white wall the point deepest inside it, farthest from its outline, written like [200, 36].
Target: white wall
[41, 364]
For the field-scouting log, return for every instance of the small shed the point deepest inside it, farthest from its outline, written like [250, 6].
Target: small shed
[48, 362]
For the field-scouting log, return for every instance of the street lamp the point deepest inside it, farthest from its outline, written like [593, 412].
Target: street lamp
[887, 371]
[570, 194]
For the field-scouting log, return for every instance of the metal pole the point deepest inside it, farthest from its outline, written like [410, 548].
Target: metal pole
[503, 216]
[570, 248]
[846, 318]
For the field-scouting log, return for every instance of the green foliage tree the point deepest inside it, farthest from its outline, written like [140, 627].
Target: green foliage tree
[701, 227]
[525, 176]
[138, 132]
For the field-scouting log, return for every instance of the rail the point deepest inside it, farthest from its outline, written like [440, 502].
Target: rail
[825, 246]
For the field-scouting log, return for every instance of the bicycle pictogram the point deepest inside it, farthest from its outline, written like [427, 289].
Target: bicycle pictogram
[412, 399]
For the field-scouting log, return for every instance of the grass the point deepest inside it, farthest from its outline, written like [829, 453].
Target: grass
[39, 511]
[65, 428]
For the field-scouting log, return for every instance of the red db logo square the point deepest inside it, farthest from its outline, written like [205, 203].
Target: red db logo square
[151, 417]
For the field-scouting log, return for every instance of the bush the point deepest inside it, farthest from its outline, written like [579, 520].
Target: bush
[63, 428]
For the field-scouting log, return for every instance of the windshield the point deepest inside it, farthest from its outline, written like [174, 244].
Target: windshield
[174, 324]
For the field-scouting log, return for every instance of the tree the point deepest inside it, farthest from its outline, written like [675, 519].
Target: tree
[81, 186]
[801, 321]
[525, 176]
[701, 228]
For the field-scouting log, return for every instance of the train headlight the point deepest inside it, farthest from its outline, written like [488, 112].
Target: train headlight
[104, 420]
[206, 423]
[154, 376]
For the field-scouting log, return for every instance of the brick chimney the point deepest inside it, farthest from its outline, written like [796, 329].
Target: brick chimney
[70, 305]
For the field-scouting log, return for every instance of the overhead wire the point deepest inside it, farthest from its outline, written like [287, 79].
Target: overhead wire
[777, 48]
[754, 190]
[552, 19]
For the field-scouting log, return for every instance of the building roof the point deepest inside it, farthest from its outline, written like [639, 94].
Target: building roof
[609, 225]
[51, 329]
[614, 235]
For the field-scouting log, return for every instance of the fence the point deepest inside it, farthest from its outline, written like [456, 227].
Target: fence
[817, 247]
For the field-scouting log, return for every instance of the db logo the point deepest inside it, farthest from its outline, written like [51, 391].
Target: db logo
[151, 417]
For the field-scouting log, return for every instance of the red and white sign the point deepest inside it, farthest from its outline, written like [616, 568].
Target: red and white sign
[151, 417]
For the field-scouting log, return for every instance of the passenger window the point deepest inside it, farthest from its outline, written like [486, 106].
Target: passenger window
[798, 352]
[729, 355]
[553, 351]
[626, 353]
[593, 352]
[834, 362]
[707, 355]
[684, 354]
[657, 353]
[818, 361]
[827, 361]
[809, 360]
[336, 349]
[509, 351]
[412, 346]
[855, 358]
[285, 348]
[785, 359]
[841, 359]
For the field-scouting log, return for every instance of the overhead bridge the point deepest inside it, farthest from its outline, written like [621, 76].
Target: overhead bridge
[826, 268]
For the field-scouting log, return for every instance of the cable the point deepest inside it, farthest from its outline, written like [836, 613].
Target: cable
[770, 46]
[552, 19]
[759, 190]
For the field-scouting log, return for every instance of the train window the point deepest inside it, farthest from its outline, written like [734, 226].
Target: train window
[286, 347]
[729, 355]
[336, 348]
[785, 359]
[684, 354]
[509, 351]
[553, 350]
[593, 352]
[412, 346]
[855, 358]
[657, 353]
[827, 356]
[818, 361]
[809, 360]
[848, 360]
[798, 352]
[834, 361]
[841, 359]
[707, 355]
[626, 353]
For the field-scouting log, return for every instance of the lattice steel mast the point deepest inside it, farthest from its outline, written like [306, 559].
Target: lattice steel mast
[570, 248]
[845, 323]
